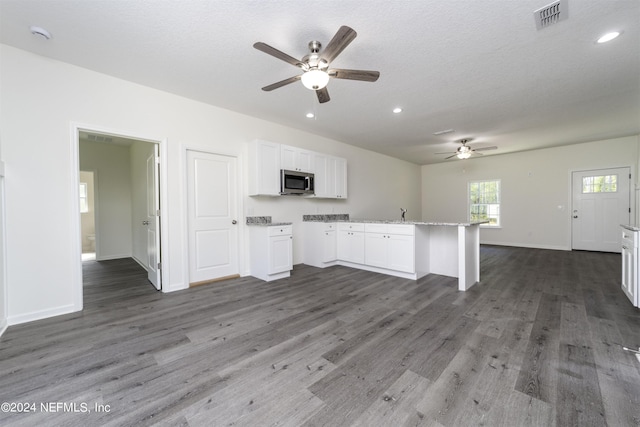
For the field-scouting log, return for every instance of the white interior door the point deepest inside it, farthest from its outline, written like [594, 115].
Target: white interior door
[601, 202]
[212, 204]
[153, 219]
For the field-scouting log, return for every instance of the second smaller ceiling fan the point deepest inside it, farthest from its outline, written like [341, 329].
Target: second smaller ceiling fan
[464, 151]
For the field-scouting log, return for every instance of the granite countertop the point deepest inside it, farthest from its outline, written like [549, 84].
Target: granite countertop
[264, 221]
[630, 227]
[345, 218]
[391, 221]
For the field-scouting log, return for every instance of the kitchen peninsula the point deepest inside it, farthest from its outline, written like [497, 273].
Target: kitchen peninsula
[408, 249]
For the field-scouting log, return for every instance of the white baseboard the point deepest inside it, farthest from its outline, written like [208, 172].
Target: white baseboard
[110, 257]
[4, 324]
[527, 245]
[173, 287]
[140, 262]
[42, 314]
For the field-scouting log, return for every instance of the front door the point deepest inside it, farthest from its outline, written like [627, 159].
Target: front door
[601, 202]
[212, 205]
[153, 219]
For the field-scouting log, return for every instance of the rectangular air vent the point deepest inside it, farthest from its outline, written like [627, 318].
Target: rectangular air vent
[551, 14]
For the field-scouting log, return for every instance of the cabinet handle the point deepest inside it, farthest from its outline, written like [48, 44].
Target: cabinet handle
[624, 247]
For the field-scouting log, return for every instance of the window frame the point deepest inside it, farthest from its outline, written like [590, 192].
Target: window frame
[84, 207]
[470, 205]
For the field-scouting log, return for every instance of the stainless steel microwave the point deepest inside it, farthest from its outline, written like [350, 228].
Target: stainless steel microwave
[295, 182]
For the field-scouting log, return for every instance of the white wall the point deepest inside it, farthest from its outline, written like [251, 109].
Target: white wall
[3, 271]
[534, 185]
[41, 99]
[111, 164]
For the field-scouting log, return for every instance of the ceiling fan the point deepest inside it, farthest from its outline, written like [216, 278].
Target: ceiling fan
[315, 65]
[464, 151]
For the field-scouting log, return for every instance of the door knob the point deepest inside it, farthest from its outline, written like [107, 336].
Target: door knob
[145, 222]
[234, 222]
[575, 216]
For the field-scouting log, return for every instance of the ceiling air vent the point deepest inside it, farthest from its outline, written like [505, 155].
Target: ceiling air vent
[99, 138]
[551, 14]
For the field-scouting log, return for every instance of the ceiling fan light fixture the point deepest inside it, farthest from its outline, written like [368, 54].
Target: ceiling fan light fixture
[315, 79]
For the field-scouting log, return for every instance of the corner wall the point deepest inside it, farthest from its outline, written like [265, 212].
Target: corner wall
[536, 189]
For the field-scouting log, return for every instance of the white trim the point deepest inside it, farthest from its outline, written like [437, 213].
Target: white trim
[75, 215]
[41, 314]
[4, 324]
[239, 156]
[4, 283]
[632, 196]
[115, 256]
[527, 245]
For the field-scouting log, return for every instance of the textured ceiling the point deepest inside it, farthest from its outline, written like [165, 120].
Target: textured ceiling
[478, 67]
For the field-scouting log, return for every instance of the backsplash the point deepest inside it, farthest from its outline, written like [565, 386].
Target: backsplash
[258, 220]
[326, 217]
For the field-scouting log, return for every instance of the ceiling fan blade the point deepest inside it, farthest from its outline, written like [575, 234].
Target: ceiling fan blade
[453, 155]
[363, 75]
[343, 37]
[484, 148]
[323, 95]
[281, 83]
[263, 47]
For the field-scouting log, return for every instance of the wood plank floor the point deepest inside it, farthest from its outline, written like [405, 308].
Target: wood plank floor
[537, 343]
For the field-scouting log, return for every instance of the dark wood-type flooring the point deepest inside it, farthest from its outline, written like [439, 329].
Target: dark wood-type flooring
[538, 342]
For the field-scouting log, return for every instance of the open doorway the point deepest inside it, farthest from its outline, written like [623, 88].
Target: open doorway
[118, 191]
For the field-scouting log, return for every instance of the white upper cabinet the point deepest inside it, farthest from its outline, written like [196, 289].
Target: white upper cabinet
[330, 176]
[266, 159]
[295, 159]
[264, 168]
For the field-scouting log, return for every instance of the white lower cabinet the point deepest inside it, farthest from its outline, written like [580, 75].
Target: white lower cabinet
[351, 242]
[390, 246]
[271, 251]
[630, 265]
[320, 243]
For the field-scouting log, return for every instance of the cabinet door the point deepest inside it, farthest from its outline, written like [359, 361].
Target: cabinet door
[264, 170]
[329, 246]
[295, 159]
[351, 246]
[304, 162]
[375, 250]
[340, 178]
[280, 254]
[628, 272]
[321, 172]
[401, 253]
[288, 157]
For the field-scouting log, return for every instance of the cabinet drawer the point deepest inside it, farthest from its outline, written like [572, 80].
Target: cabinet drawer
[403, 229]
[629, 238]
[280, 230]
[375, 228]
[329, 226]
[350, 226]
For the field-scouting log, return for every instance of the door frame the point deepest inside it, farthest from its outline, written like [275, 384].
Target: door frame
[242, 235]
[632, 195]
[74, 150]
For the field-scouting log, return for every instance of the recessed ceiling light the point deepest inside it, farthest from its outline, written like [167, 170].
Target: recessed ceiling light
[397, 110]
[39, 31]
[310, 115]
[608, 37]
